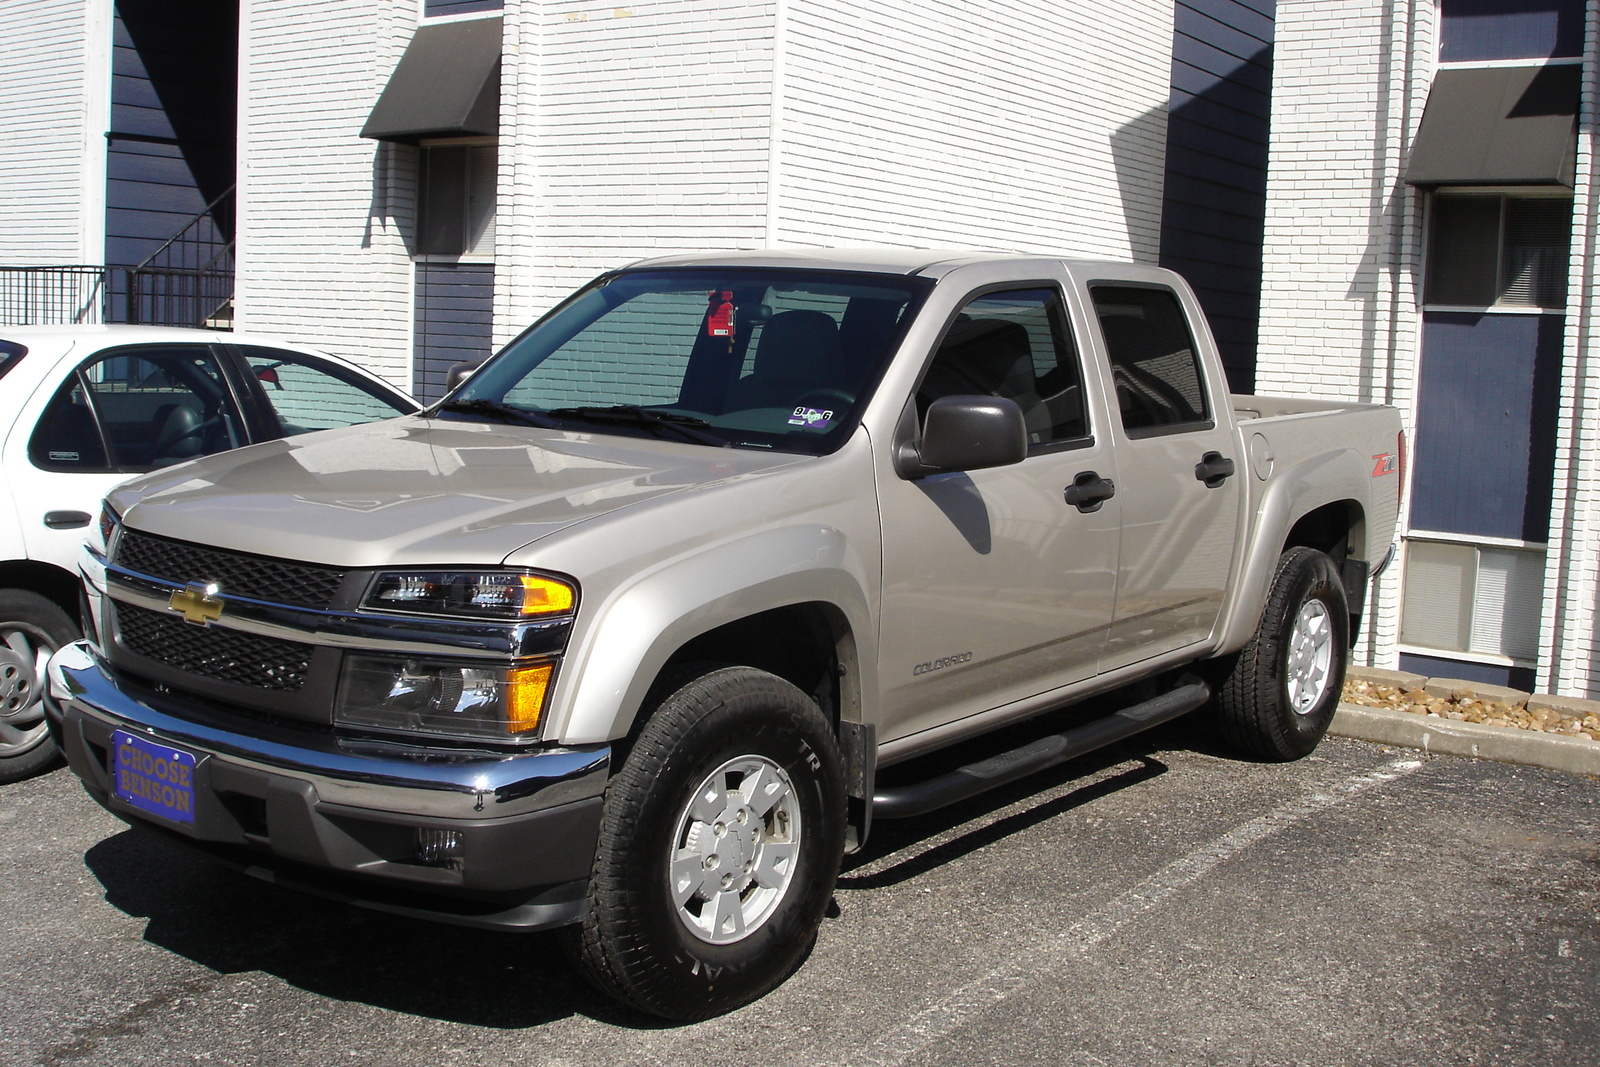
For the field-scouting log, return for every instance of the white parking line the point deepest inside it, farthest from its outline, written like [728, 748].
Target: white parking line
[957, 1008]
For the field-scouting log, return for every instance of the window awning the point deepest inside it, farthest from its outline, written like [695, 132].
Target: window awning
[446, 85]
[1498, 126]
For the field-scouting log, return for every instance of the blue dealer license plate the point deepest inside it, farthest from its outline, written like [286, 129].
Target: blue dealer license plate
[155, 778]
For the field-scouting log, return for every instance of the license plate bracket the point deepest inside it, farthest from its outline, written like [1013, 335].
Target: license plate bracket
[153, 776]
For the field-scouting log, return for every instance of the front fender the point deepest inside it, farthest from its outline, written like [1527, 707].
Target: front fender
[614, 658]
[1328, 478]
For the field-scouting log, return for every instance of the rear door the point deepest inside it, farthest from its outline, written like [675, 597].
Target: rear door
[1178, 488]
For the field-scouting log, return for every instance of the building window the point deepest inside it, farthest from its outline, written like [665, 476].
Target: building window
[1473, 599]
[456, 199]
[1491, 250]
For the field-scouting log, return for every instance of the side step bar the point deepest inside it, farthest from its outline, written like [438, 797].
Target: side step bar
[918, 798]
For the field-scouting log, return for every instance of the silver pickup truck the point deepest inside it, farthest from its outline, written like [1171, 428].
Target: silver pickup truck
[618, 636]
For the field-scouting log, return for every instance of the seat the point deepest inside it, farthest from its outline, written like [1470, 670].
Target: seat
[176, 434]
[988, 357]
[797, 353]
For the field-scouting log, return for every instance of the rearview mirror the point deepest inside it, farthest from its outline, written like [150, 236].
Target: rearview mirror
[458, 373]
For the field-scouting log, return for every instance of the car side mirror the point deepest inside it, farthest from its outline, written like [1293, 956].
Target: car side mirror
[963, 433]
[458, 373]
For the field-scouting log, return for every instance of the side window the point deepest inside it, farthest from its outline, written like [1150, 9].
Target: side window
[308, 394]
[1014, 344]
[1154, 367]
[155, 406]
[68, 435]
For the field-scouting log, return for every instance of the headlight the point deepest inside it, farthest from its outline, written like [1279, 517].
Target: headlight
[509, 595]
[106, 527]
[442, 698]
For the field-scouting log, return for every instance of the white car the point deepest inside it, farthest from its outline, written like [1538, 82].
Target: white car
[85, 407]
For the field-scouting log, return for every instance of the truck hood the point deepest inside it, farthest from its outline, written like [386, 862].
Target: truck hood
[417, 491]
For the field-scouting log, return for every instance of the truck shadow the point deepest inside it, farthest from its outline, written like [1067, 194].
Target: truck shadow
[233, 924]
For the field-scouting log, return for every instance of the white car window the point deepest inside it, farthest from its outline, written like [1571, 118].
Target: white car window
[309, 394]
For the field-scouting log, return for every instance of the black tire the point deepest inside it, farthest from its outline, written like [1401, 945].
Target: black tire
[646, 940]
[31, 627]
[1277, 696]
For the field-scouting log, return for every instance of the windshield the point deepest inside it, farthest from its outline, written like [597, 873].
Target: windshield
[751, 358]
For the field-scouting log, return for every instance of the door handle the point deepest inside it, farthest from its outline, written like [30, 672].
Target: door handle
[1088, 491]
[66, 520]
[1214, 468]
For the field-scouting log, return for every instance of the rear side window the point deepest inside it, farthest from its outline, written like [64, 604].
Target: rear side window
[1154, 367]
[147, 407]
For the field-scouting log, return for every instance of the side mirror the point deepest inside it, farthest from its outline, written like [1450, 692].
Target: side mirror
[458, 373]
[964, 433]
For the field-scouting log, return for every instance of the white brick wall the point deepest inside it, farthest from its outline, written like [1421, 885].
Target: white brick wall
[322, 211]
[667, 126]
[1569, 654]
[1017, 124]
[54, 105]
[1339, 314]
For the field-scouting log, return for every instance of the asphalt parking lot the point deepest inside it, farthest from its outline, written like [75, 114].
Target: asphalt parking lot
[1157, 903]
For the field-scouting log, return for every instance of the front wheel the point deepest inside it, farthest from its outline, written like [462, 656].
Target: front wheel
[719, 845]
[31, 627]
[1278, 694]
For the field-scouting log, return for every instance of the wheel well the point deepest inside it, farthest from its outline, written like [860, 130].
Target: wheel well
[48, 581]
[1339, 531]
[800, 643]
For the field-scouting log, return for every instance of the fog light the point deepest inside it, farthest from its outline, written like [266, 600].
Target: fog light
[438, 848]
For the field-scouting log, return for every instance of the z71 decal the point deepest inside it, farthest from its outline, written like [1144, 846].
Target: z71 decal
[1387, 463]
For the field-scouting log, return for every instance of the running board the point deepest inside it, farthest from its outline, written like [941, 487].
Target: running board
[918, 798]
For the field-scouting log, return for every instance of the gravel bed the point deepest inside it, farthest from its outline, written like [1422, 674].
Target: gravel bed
[1465, 707]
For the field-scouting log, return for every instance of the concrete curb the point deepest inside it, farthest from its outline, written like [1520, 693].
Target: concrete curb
[1477, 740]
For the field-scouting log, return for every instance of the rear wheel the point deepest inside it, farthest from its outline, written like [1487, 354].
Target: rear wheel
[719, 846]
[1279, 693]
[31, 627]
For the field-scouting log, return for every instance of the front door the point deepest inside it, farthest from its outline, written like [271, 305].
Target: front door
[995, 587]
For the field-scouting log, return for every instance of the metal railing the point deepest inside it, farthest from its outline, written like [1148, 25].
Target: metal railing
[188, 281]
[52, 296]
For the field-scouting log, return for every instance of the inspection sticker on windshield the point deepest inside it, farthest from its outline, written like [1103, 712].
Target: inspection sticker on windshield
[811, 418]
[155, 778]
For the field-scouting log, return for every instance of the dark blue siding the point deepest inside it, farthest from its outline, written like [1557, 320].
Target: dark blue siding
[171, 144]
[455, 315]
[1487, 673]
[1487, 395]
[1214, 202]
[1475, 30]
[432, 8]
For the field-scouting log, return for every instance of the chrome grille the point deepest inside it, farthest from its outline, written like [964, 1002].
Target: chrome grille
[258, 577]
[213, 651]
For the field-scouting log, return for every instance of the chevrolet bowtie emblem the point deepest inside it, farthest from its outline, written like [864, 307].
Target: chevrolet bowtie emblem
[199, 602]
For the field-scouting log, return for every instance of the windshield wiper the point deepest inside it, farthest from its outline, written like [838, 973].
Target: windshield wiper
[633, 415]
[496, 409]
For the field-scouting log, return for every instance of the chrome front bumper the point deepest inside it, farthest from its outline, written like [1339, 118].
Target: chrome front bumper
[346, 818]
